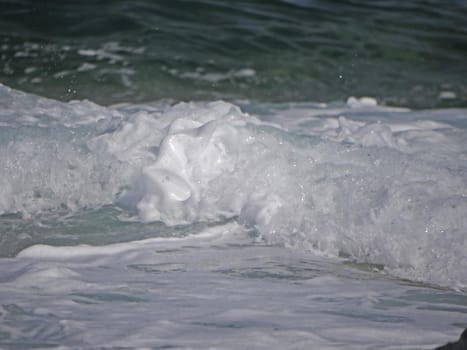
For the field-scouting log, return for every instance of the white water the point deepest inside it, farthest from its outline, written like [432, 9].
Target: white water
[263, 211]
[214, 289]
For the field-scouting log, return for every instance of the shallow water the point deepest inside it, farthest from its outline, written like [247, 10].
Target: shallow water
[270, 210]
[217, 289]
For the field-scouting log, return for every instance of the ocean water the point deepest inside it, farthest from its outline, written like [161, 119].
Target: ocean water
[233, 175]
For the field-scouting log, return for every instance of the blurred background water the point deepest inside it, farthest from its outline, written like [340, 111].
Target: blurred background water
[404, 53]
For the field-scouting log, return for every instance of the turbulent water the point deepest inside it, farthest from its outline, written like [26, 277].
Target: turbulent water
[232, 175]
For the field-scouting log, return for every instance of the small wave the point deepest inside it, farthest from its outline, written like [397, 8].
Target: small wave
[336, 181]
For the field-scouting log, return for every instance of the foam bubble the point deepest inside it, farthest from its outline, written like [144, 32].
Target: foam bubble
[354, 102]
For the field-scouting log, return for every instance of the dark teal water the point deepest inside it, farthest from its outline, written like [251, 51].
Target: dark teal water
[409, 53]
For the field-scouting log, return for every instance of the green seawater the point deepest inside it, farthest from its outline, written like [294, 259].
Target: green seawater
[404, 53]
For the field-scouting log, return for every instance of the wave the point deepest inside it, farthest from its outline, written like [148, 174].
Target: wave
[373, 184]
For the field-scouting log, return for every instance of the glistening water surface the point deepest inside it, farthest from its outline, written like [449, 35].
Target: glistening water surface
[403, 53]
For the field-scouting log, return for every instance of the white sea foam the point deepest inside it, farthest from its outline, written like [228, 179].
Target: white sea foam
[215, 77]
[377, 185]
[215, 290]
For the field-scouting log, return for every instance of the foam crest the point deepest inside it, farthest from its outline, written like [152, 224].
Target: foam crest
[378, 191]
[196, 150]
[360, 189]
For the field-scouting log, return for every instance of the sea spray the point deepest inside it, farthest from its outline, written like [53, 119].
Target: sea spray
[360, 190]
[380, 192]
